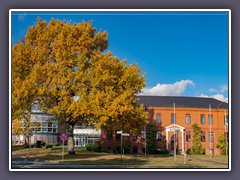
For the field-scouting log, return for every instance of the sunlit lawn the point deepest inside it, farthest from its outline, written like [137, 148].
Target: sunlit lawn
[128, 161]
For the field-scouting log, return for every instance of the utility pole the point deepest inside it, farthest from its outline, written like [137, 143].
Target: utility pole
[210, 133]
[145, 140]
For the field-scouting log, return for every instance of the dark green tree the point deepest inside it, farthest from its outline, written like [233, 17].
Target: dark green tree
[151, 131]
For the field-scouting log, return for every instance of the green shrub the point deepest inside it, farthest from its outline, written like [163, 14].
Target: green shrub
[222, 145]
[188, 151]
[151, 131]
[196, 145]
[93, 147]
[126, 148]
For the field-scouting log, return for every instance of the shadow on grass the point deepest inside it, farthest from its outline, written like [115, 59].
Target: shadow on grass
[113, 162]
[81, 155]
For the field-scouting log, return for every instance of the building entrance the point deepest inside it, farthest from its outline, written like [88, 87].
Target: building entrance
[172, 142]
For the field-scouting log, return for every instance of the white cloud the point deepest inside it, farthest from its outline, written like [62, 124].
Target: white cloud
[223, 88]
[219, 97]
[212, 90]
[174, 89]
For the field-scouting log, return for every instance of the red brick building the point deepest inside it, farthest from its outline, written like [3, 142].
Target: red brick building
[208, 113]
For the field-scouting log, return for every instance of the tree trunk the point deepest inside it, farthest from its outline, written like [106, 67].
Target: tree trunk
[70, 140]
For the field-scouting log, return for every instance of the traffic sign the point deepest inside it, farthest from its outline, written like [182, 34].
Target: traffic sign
[63, 137]
[125, 134]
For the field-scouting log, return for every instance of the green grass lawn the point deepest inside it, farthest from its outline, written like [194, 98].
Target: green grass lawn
[128, 161]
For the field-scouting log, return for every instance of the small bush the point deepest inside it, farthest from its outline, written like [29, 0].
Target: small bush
[93, 147]
[188, 151]
[126, 148]
[222, 145]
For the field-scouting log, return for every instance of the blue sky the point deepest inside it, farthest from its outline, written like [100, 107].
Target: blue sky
[182, 53]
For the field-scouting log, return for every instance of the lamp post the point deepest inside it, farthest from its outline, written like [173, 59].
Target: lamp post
[210, 131]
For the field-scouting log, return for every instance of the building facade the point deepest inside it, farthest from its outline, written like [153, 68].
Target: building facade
[42, 128]
[84, 135]
[45, 128]
[176, 115]
[173, 117]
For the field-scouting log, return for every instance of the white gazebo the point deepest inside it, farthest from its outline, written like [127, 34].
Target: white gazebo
[175, 128]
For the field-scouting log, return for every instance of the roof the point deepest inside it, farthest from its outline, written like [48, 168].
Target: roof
[180, 101]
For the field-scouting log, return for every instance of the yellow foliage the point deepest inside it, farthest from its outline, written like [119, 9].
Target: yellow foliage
[60, 61]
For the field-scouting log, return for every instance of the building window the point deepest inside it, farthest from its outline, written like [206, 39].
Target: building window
[55, 124]
[203, 137]
[210, 136]
[173, 118]
[202, 118]
[39, 129]
[158, 118]
[50, 129]
[188, 119]
[188, 136]
[159, 136]
[210, 119]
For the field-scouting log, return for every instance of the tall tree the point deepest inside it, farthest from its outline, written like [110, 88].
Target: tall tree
[222, 145]
[151, 131]
[197, 145]
[76, 81]
[64, 52]
[24, 92]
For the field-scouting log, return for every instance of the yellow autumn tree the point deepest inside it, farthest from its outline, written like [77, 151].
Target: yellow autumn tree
[77, 82]
[24, 92]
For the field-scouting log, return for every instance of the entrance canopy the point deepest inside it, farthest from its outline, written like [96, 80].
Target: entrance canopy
[175, 128]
